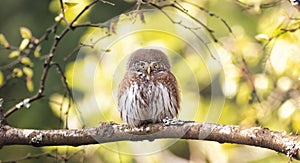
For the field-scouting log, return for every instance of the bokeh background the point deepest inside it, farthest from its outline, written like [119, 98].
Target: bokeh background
[249, 78]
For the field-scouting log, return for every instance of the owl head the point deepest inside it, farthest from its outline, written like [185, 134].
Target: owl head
[148, 61]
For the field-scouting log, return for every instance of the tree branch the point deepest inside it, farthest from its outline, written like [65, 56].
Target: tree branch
[48, 61]
[110, 132]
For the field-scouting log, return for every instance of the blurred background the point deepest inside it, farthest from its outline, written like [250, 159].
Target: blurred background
[250, 77]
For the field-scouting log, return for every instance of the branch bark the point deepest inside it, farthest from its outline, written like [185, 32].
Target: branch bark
[110, 132]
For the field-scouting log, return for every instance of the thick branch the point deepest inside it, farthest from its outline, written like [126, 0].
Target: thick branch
[109, 132]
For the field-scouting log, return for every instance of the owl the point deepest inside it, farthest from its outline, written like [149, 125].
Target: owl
[148, 92]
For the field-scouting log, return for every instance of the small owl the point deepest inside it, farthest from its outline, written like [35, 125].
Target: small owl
[148, 92]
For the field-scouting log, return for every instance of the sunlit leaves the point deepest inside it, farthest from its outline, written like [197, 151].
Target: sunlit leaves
[244, 94]
[25, 33]
[21, 54]
[14, 54]
[59, 104]
[37, 51]
[287, 109]
[70, 8]
[62, 107]
[27, 36]
[29, 84]
[24, 44]
[263, 84]
[252, 53]
[3, 41]
[17, 73]
[262, 37]
[284, 83]
[26, 61]
[28, 71]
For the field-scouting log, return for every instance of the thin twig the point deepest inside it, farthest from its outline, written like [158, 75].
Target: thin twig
[48, 155]
[49, 31]
[87, 25]
[191, 29]
[31, 156]
[210, 14]
[172, 5]
[282, 32]
[64, 79]
[62, 7]
[247, 72]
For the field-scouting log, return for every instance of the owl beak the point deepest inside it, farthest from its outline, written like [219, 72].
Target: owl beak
[148, 70]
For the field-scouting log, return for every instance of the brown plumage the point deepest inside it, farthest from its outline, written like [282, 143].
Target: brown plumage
[148, 92]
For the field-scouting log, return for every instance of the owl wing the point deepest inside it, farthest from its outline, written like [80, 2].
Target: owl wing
[123, 87]
[130, 102]
[168, 80]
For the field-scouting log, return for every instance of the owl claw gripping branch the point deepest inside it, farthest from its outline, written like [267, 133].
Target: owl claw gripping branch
[148, 92]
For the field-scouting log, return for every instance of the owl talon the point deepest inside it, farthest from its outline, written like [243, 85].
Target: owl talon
[167, 121]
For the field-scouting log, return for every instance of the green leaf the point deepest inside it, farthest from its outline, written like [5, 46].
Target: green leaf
[25, 33]
[26, 61]
[24, 44]
[17, 72]
[14, 54]
[3, 41]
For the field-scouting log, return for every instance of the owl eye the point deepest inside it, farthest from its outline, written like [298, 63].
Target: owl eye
[155, 65]
[140, 65]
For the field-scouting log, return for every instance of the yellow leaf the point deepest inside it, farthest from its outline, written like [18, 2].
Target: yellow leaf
[73, 7]
[37, 52]
[29, 84]
[58, 18]
[262, 37]
[26, 61]
[3, 41]
[14, 54]
[24, 44]
[17, 73]
[25, 33]
[70, 4]
[1, 78]
[28, 71]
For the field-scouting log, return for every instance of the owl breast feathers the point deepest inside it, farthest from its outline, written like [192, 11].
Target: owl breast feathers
[148, 92]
